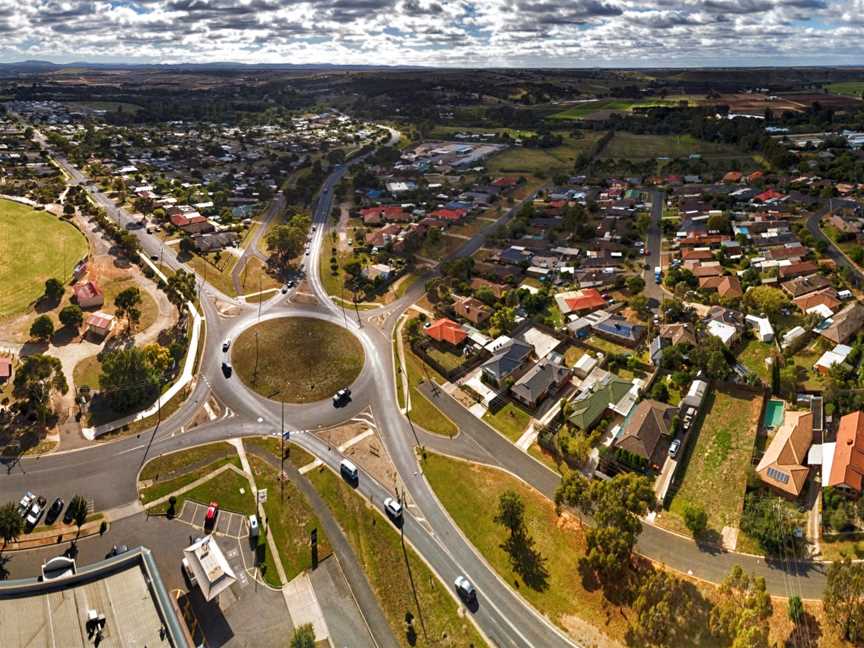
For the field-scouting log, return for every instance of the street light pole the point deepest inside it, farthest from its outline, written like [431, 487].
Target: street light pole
[282, 455]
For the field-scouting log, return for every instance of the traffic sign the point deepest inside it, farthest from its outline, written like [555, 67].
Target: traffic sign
[262, 496]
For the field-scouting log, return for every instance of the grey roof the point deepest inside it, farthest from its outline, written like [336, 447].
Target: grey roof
[508, 359]
[538, 379]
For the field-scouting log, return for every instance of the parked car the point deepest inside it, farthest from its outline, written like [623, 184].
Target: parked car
[212, 513]
[25, 503]
[285, 289]
[36, 511]
[227, 370]
[393, 508]
[465, 589]
[54, 511]
[187, 572]
[674, 447]
[226, 345]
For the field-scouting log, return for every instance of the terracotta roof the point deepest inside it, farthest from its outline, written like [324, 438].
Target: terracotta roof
[446, 330]
[589, 298]
[86, 290]
[449, 214]
[847, 469]
[784, 464]
[5, 367]
[100, 320]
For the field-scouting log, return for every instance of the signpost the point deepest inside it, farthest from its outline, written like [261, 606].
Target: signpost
[262, 496]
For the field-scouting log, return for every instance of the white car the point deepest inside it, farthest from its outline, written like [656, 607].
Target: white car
[34, 515]
[25, 503]
[465, 589]
[393, 508]
[674, 447]
[253, 526]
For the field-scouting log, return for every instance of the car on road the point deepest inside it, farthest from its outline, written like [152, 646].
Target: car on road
[154, 257]
[674, 447]
[465, 589]
[187, 572]
[285, 289]
[341, 397]
[36, 512]
[25, 503]
[116, 550]
[212, 514]
[393, 508]
[226, 345]
[227, 369]
[54, 510]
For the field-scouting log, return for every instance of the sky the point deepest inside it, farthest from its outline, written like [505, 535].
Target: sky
[452, 33]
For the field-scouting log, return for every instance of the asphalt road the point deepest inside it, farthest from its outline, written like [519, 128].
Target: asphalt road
[654, 291]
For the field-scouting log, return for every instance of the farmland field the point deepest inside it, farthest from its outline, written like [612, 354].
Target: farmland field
[582, 110]
[542, 160]
[630, 146]
[34, 246]
[847, 88]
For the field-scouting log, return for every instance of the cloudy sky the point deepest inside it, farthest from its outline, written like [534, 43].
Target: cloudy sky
[437, 32]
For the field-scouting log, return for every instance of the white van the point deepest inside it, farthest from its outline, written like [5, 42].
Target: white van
[349, 470]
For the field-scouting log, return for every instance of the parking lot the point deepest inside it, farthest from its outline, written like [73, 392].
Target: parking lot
[233, 525]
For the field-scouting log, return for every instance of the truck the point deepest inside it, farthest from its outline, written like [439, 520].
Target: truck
[657, 274]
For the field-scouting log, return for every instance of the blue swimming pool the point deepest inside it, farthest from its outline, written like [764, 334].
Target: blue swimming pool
[773, 414]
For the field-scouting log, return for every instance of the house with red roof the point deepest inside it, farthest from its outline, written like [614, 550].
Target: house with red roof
[88, 294]
[732, 177]
[192, 224]
[506, 181]
[582, 301]
[384, 213]
[100, 324]
[447, 331]
[5, 369]
[847, 466]
[769, 196]
[449, 215]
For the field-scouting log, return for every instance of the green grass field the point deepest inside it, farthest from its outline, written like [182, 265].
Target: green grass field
[847, 88]
[582, 110]
[511, 421]
[630, 146]
[717, 459]
[34, 246]
[547, 161]
[753, 357]
[422, 411]
[392, 568]
[298, 359]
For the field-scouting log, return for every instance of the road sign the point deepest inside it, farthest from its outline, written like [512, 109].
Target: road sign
[262, 496]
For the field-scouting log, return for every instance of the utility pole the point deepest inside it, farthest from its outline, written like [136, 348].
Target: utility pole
[282, 455]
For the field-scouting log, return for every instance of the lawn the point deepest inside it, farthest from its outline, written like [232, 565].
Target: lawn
[166, 487]
[168, 466]
[607, 347]
[216, 274]
[804, 361]
[255, 278]
[630, 146]
[753, 357]
[148, 307]
[297, 359]
[392, 568]
[87, 372]
[422, 411]
[295, 454]
[847, 88]
[572, 355]
[440, 249]
[447, 358]
[230, 489]
[34, 246]
[470, 494]
[717, 459]
[291, 520]
[511, 421]
[583, 109]
[546, 161]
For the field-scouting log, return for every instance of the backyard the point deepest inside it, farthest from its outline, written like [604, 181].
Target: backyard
[716, 460]
[753, 356]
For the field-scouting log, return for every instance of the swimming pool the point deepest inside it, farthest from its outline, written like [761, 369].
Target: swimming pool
[773, 414]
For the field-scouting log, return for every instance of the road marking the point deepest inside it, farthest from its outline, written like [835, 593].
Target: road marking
[138, 447]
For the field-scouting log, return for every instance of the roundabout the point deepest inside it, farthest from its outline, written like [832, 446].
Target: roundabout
[297, 359]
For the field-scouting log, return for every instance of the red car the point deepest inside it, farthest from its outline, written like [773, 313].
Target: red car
[212, 512]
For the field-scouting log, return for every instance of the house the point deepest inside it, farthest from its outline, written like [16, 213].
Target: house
[798, 269]
[784, 464]
[381, 237]
[472, 309]
[845, 324]
[497, 289]
[725, 286]
[215, 241]
[446, 331]
[507, 362]
[377, 270]
[195, 224]
[620, 331]
[804, 285]
[847, 465]
[100, 323]
[732, 177]
[763, 329]
[835, 356]
[648, 431]
[584, 365]
[88, 294]
[449, 215]
[5, 369]
[384, 213]
[826, 297]
[544, 378]
[579, 301]
[600, 391]
[679, 333]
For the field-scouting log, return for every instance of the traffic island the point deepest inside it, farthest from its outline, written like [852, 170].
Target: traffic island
[297, 359]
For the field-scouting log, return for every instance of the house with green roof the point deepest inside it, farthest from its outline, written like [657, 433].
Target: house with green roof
[605, 391]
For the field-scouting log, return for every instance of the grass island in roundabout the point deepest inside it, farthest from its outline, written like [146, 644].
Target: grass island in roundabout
[297, 359]
[34, 246]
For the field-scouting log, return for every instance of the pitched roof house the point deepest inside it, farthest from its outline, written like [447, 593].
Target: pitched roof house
[847, 468]
[507, 361]
[845, 324]
[784, 464]
[446, 330]
[580, 301]
[648, 431]
[472, 309]
[88, 294]
[590, 404]
[725, 286]
[539, 381]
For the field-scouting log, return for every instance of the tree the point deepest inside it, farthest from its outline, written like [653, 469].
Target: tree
[127, 302]
[11, 523]
[843, 594]
[35, 381]
[78, 510]
[511, 512]
[131, 377]
[304, 637]
[696, 519]
[635, 284]
[768, 522]
[503, 320]
[766, 299]
[53, 290]
[742, 611]
[710, 356]
[659, 391]
[72, 316]
[796, 609]
[286, 240]
[720, 223]
[42, 328]
[181, 288]
[661, 608]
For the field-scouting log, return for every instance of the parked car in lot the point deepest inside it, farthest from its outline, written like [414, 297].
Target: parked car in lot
[36, 511]
[393, 509]
[465, 589]
[54, 510]
[674, 447]
[25, 503]
[212, 513]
